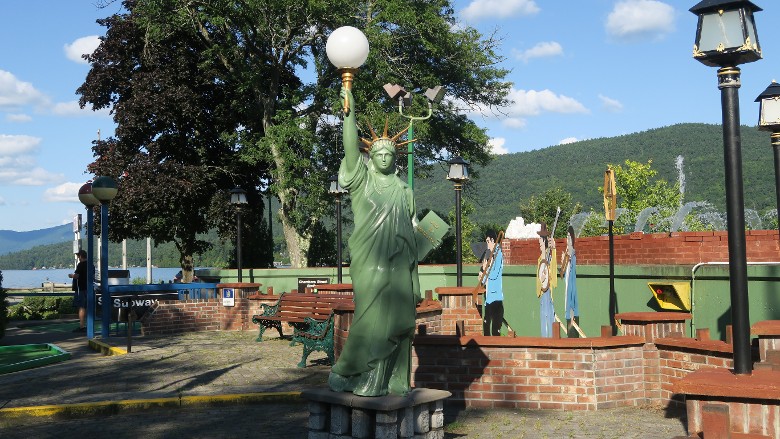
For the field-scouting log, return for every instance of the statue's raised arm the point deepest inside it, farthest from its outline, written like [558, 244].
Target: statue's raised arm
[350, 134]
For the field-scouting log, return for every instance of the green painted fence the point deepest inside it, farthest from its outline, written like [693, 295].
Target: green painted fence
[709, 290]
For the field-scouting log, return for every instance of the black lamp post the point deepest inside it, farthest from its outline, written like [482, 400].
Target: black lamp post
[459, 174]
[90, 202]
[725, 37]
[104, 189]
[238, 199]
[337, 191]
[610, 210]
[769, 120]
[434, 96]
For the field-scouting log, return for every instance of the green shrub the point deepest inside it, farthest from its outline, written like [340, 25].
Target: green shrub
[41, 308]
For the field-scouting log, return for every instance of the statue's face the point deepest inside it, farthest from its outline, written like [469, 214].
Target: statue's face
[383, 156]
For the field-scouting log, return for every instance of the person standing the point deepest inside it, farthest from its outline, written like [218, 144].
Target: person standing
[493, 265]
[546, 280]
[79, 286]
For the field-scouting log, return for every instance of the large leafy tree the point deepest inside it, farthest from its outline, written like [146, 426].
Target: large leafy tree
[171, 153]
[241, 91]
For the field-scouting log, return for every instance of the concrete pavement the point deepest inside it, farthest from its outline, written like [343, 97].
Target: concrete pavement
[224, 384]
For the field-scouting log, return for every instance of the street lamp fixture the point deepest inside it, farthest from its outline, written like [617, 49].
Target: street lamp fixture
[458, 174]
[337, 191]
[769, 120]
[398, 93]
[238, 199]
[104, 189]
[90, 202]
[726, 33]
[725, 37]
[347, 50]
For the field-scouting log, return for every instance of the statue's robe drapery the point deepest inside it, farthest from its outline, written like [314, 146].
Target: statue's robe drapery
[376, 358]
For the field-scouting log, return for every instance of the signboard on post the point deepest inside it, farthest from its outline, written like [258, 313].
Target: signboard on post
[311, 282]
[610, 195]
[228, 297]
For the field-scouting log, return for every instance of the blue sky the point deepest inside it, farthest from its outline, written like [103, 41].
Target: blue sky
[580, 70]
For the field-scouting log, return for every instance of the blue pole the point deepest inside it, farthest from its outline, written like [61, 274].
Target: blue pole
[104, 293]
[90, 273]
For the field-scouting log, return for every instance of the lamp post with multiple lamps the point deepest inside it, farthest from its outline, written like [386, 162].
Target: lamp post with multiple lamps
[90, 202]
[726, 37]
[238, 199]
[404, 98]
[104, 190]
[337, 191]
[769, 120]
[458, 174]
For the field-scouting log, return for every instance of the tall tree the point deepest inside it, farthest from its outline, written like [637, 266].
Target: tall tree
[267, 94]
[171, 155]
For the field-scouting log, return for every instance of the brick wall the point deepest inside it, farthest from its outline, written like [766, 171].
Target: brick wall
[174, 316]
[568, 374]
[458, 304]
[678, 248]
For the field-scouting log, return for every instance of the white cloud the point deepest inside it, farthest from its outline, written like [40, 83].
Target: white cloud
[610, 104]
[497, 146]
[637, 19]
[568, 140]
[478, 9]
[19, 162]
[532, 103]
[82, 46]
[71, 108]
[2, 201]
[18, 117]
[12, 145]
[524, 103]
[65, 192]
[540, 50]
[15, 93]
[28, 177]
[17, 165]
[514, 122]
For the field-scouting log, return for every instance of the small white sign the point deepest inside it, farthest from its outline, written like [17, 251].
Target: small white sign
[228, 297]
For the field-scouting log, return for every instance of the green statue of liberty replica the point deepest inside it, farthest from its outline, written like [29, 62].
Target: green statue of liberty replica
[376, 359]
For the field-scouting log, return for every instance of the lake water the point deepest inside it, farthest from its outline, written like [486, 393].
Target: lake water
[34, 278]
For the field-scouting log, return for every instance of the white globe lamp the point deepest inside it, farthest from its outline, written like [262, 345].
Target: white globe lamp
[347, 50]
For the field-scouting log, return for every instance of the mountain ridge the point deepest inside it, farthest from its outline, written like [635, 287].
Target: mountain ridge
[577, 168]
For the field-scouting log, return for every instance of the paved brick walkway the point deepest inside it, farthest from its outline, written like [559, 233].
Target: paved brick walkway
[219, 363]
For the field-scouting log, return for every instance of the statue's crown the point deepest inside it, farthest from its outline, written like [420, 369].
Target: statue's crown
[369, 143]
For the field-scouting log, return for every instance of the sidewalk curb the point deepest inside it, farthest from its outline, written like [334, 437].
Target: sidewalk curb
[134, 405]
[105, 348]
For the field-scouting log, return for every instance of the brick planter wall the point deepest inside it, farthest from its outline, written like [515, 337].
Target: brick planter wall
[458, 304]
[653, 363]
[678, 248]
[177, 316]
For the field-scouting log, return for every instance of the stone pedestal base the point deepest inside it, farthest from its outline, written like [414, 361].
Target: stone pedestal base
[341, 415]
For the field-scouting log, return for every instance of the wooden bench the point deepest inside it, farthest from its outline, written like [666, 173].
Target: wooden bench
[310, 315]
